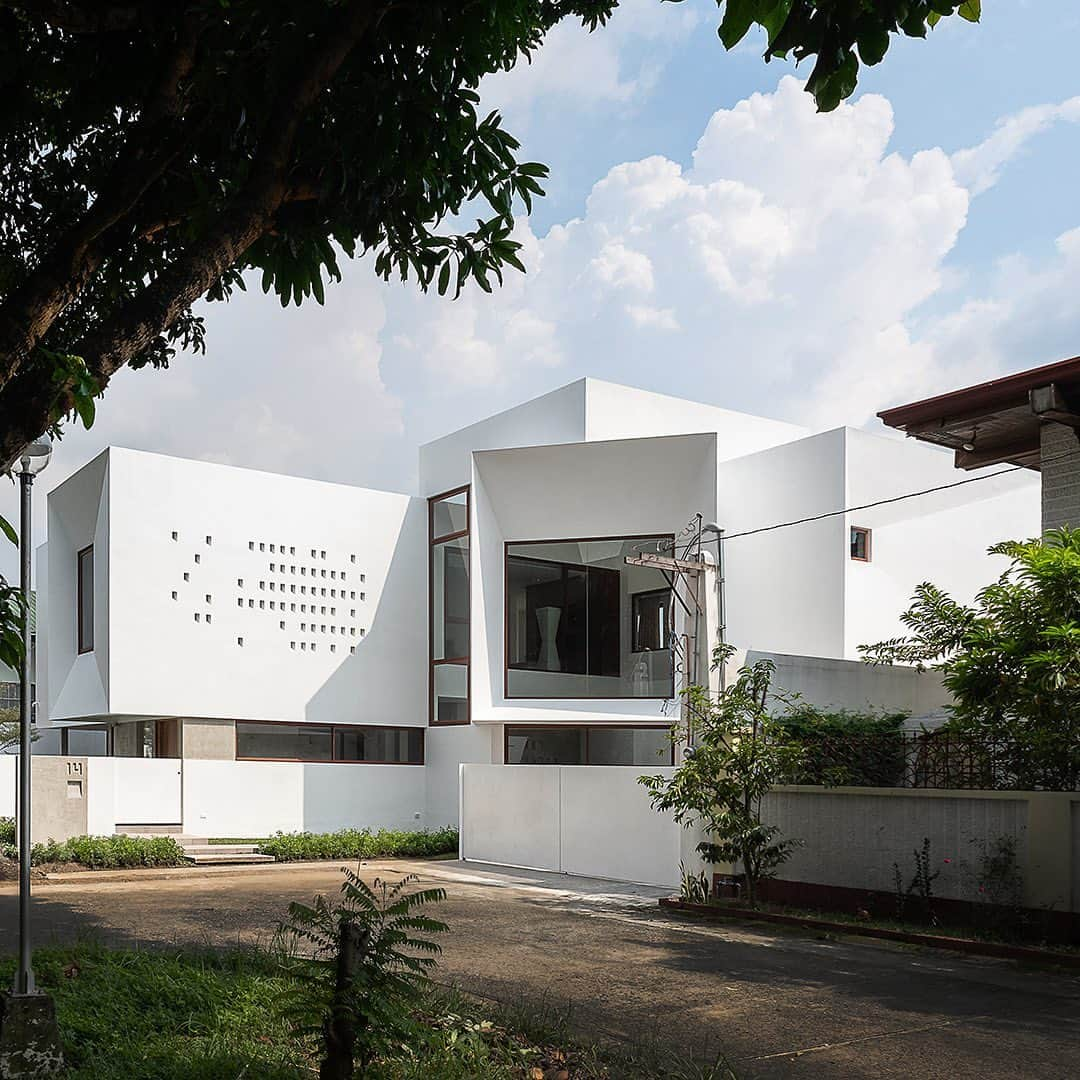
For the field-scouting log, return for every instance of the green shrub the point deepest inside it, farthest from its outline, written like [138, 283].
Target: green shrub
[360, 844]
[7, 830]
[843, 748]
[110, 852]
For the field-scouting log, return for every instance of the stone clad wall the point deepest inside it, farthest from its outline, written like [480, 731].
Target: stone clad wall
[1060, 477]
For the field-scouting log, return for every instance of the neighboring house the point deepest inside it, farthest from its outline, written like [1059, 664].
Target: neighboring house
[200, 611]
[1030, 419]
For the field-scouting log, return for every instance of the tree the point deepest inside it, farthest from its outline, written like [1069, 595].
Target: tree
[1011, 660]
[739, 752]
[153, 154]
[9, 730]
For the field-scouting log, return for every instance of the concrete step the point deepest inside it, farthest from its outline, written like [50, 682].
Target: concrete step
[201, 847]
[205, 859]
[181, 838]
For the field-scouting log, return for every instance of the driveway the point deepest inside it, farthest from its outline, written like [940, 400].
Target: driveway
[779, 1004]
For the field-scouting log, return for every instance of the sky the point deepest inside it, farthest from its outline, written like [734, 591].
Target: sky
[705, 234]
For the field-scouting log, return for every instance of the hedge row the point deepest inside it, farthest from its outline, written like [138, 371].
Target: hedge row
[360, 844]
[105, 852]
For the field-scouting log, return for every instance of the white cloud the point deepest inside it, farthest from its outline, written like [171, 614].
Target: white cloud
[979, 167]
[616, 65]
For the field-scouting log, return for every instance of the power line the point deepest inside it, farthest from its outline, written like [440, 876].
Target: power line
[894, 499]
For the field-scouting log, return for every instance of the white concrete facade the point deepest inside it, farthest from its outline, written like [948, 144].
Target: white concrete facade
[203, 611]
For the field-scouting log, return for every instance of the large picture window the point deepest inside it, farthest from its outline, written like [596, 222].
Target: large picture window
[582, 622]
[84, 616]
[372, 745]
[448, 530]
[591, 745]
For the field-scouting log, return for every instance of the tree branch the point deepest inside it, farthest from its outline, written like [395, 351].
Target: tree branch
[29, 311]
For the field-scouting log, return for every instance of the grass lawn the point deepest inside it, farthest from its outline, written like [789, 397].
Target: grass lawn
[127, 1015]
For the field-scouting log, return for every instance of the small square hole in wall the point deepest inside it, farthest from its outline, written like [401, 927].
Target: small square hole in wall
[292, 569]
[198, 557]
[262, 547]
[292, 644]
[292, 607]
[352, 649]
[322, 610]
[342, 629]
[239, 641]
[333, 611]
[281, 625]
[363, 577]
[352, 558]
[74, 789]
[352, 613]
[322, 628]
[333, 573]
[313, 553]
[262, 604]
[175, 535]
[303, 570]
[273, 566]
[352, 631]
[333, 629]
[239, 582]
[352, 596]
[239, 601]
[303, 644]
[272, 605]
[262, 584]
[271, 552]
[208, 616]
[187, 576]
[362, 631]
[209, 598]
[303, 590]
[273, 586]
[303, 626]
[363, 596]
[251, 545]
[322, 554]
[209, 541]
[251, 603]
[333, 648]
[323, 573]
[174, 594]
[196, 616]
[313, 646]
[292, 551]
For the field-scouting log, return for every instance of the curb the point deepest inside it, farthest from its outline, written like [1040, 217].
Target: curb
[932, 941]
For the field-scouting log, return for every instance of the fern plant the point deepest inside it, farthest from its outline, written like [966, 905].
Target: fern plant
[358, 966]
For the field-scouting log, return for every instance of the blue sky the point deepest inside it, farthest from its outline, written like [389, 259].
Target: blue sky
[697, 239]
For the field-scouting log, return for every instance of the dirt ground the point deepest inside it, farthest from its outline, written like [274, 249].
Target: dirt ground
[776, 1003]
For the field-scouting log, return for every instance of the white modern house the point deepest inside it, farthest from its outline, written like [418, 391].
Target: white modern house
[502, 646]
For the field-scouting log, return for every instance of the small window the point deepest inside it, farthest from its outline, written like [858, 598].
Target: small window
[282, 624]
[239, 601]
[860, 544]
[176, 536]
[85, 601]
[240, 641]
[251, 545]
[209, 541]
[650, 615]
[187, 576]
[174, 594]
[209, 598]
[352, 558]
[239, 582]
[333, 648]
[198, 558]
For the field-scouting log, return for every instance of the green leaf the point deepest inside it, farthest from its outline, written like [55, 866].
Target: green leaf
[9, 531]
[738, 18]
[774, 20]
[970, 10]
[873, 44]
[444, 278]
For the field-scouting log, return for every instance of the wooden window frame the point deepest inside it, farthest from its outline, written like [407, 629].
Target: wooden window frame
[333, 728]
[587, 728]
[83, 647]
[868, 534]
[507, 545]
[459, 661]
[634, 598]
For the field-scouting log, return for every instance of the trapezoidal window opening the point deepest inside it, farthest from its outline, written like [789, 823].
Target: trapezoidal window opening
[448, 606]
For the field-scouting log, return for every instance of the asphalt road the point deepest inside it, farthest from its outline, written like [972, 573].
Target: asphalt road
[777, 1004]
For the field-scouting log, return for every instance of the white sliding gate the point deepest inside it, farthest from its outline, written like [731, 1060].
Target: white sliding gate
[592, 820]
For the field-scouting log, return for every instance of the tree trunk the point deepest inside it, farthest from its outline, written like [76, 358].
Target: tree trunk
[339, 1030]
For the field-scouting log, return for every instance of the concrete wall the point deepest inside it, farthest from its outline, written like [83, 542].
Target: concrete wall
[1060, 465]
[257, 798]
[59, 798]
[854, 835]
[590, 820]
[9, 767]
[213, 740]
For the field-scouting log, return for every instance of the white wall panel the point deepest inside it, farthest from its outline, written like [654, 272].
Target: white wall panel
[510, 815]
[610, 830]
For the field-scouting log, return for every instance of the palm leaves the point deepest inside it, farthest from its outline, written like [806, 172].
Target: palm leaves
[368, 997]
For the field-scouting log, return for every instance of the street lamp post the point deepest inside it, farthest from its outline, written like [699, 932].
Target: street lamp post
[31, 462]
[29, 1040]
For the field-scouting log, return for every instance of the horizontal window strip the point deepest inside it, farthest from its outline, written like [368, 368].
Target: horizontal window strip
[355, 744]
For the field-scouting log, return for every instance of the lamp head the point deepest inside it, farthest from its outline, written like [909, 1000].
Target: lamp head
[712, 527]
[35, 456]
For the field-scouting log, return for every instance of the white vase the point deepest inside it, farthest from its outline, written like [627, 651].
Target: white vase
[547, 619]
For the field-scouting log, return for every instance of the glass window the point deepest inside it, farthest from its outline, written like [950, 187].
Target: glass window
[860, 544]
[85, 601]
[450, 599]
[450, 514]
[651, 612]
[287, 742]
[592, 745]
[449, 615]
[545, 746]
[397, 746]
[572, 620]
[450, 694]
